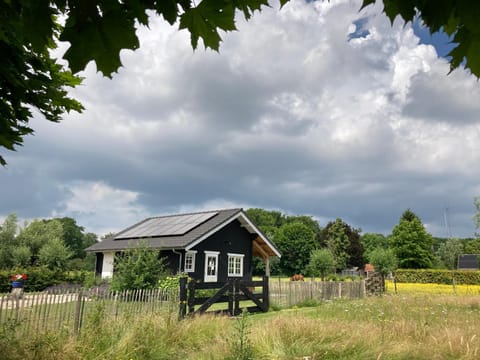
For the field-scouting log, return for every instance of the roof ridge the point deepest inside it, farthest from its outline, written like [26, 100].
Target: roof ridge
[193, 213]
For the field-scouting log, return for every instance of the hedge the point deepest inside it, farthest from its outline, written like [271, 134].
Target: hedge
[434, 276]
[40, 278]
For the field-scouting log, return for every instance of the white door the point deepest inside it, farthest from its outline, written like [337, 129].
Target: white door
[211, 266]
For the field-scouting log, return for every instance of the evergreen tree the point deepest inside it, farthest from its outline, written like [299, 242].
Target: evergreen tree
[411, 243]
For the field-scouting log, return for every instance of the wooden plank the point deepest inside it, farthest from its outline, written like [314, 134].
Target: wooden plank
[250, 296]
[213, 299]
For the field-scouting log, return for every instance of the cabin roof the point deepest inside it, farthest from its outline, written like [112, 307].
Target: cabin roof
[184, 231]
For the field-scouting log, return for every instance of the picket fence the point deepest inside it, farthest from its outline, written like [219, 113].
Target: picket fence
[70, 310]
[290, 293]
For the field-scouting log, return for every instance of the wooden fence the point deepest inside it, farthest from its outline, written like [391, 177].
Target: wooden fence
[68, 311]
[290, 293]
[230, 293]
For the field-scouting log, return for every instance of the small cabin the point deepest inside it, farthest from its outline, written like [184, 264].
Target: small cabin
[211, 246]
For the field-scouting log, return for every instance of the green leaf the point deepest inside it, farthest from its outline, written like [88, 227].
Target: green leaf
[100, 38]
[168, 9]
[203, 21]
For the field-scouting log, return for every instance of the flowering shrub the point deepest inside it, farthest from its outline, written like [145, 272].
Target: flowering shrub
[18, 277]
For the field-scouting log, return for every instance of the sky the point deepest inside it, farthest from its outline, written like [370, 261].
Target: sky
[313, 109]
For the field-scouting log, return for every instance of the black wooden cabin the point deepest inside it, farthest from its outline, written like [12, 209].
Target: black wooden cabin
[211, 246]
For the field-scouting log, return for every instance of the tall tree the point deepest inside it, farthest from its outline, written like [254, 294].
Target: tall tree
[8, 231]
[72, 236]
[344, 243]
[411, 243]
[38, 233]
[97, 30]
[54, 254]
[372, 241]
[295, 241]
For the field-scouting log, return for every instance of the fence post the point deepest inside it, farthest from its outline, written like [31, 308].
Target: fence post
[191, 297]
[78, 311]
[183, 297]
[231, 298]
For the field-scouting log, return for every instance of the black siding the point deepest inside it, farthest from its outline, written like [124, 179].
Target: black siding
[233, 238]
[172, 260]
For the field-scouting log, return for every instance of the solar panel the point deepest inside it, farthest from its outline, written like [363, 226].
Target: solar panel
[468, 261]
[166, 225]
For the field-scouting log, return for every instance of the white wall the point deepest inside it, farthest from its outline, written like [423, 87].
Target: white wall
[107, 266]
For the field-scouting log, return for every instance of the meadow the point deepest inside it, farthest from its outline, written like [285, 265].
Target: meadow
[419, 322]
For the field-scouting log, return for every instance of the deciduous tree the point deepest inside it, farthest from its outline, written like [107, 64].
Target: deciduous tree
[321, 263]
[295, 241]
[448, 252]
[344, 243]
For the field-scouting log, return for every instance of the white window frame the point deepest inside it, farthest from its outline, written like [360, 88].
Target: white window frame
[191, 253]
[234, 257]
[207, 277]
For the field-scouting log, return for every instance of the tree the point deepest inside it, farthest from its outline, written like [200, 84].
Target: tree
[448, 252]
[476, 217]
[295, 241]
[8, 232]
[384, 262]
[411, 243]
[22, 256]
[344, 243]
[321, 263]
[98, 30]
[139, 267]
[36, 234]
[54, 254]
[372, 241]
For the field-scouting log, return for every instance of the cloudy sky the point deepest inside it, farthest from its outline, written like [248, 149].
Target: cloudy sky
[314, 109]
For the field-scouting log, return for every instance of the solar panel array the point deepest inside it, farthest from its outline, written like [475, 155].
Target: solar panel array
[468, 261]
[166, 226]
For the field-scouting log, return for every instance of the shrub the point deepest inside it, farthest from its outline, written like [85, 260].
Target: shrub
[434, 276]
[39, 278]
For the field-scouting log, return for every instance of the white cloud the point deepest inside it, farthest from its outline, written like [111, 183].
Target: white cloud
[96, 205]
[291, 114]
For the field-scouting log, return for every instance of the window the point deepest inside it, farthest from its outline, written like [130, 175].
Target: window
[190, 261]
[235, 264]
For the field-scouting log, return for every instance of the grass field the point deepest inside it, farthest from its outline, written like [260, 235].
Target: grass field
[419, 322]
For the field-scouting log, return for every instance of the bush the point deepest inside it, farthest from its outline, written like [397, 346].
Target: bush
[434, 276]
[39, 278]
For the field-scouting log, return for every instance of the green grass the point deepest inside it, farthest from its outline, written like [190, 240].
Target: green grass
[413, 326]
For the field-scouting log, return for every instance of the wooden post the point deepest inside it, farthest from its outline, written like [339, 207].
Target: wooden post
[231, 298]
[78, 310]
[265, 294]
[236, 296]
[191, 297]
[267, 266]
[183, 297]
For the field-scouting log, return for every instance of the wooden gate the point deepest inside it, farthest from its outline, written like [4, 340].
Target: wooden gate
[232, 292]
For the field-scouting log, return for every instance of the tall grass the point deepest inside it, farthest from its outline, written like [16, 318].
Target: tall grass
[388, 327]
